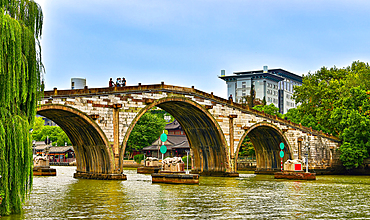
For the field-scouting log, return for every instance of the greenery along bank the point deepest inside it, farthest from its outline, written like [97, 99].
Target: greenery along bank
[56, 135]
[146, 131]
[335, 101]
[20, 67]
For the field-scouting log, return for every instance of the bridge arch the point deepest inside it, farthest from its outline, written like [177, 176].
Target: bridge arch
[93, 154]
[266, 139]
[204, 134]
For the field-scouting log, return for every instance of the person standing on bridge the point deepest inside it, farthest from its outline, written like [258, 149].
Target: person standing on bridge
[231, 97]
[111, 83]
[118, 82]
[123, 81]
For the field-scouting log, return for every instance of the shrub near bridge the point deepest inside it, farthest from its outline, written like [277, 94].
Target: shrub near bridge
[184, 159]
[337, 101]
[138, 158]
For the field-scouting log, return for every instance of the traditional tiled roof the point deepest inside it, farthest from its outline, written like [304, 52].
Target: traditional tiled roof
[54, 149]
[39, 143]
[173, 142]
[60, 149]
[175, 125]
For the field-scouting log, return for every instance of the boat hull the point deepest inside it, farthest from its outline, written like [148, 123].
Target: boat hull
[44, 171]
[175, 178]
[295, 175]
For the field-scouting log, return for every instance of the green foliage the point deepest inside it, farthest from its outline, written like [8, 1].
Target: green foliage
[352, 156]
[138, 158]
[2, 194]
[297, 116]
[38, 124]
[268, 109]
[55, 134]
[336, 101]
[161, 113]
[184, 159]
[294, 115]
[352, 119]
[146, 131]
[246, 148]
[20, 67]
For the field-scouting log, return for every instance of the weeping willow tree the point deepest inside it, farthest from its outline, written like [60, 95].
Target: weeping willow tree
[20, 69]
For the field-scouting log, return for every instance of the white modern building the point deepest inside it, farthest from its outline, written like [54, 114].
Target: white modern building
[275, 85]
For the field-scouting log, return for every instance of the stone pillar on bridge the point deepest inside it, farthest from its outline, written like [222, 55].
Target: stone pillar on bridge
[231, 136]
[300, 148]
[116, 135]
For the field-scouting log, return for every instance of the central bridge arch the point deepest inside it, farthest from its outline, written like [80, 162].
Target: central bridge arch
[266, 139]
[93, 154]
[205, 136]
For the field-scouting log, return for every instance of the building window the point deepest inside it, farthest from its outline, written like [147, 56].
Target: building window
[243, 85]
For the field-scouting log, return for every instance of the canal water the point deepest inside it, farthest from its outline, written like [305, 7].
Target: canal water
[246, 197]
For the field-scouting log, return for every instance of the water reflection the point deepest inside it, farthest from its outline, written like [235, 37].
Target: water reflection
[246, 197]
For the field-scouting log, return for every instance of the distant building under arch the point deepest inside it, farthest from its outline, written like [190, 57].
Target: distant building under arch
[176, 143]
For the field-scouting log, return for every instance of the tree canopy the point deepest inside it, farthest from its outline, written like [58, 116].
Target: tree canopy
[336, 101]
[20, 68]
[146, 131]
[268, 109]
[247, 148]
[56, 135]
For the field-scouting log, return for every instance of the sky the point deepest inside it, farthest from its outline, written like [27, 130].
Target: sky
[188, 43]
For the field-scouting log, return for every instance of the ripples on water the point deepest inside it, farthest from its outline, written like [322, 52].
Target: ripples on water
[246, 197]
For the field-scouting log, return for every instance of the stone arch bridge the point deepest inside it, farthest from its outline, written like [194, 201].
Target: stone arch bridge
[98, 122]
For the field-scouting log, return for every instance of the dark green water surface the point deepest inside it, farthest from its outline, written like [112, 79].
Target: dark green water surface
[246, 197]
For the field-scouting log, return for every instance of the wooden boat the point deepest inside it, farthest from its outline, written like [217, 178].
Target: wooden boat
[44, 171]
[175, 178]
[173, 172]
[295, 175]
[148, 169]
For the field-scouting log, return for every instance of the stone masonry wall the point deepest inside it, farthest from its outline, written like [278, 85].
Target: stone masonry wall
[323, 150]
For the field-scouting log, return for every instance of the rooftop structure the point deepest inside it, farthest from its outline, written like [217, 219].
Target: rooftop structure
[275, 85]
